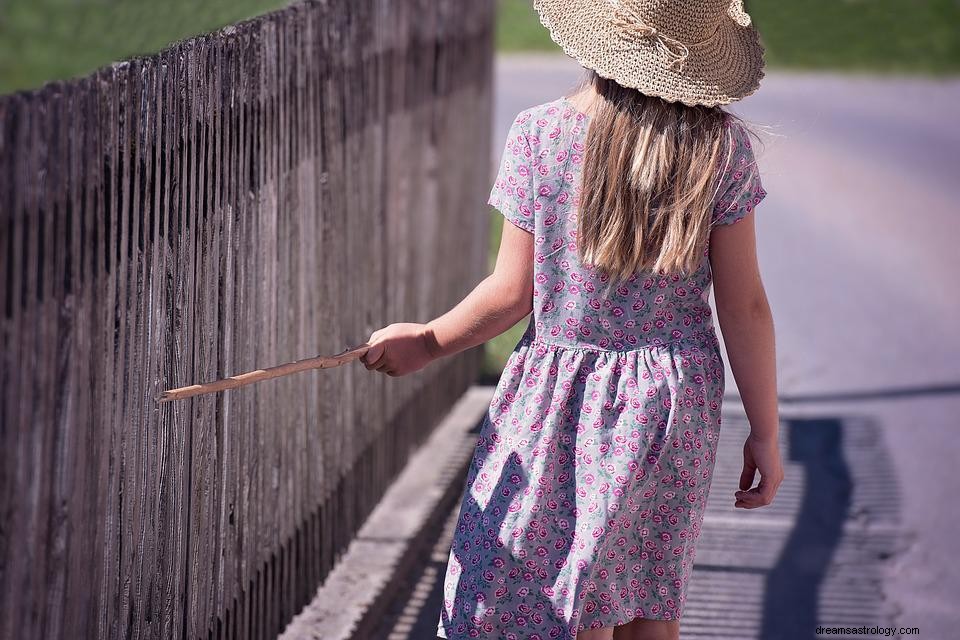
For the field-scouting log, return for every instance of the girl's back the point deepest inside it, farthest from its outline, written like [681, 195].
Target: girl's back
[538, 189]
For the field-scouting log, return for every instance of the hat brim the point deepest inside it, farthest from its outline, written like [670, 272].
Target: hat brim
[726, 68]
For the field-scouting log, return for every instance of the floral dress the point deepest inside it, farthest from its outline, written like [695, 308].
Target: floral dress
[586, 492]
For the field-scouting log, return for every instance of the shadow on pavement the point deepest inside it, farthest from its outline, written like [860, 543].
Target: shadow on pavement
[814, 557]
[793, 583]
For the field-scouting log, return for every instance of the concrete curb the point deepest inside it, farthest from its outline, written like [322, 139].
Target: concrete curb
[355, 596]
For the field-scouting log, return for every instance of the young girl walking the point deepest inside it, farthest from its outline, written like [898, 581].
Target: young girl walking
[627, 200]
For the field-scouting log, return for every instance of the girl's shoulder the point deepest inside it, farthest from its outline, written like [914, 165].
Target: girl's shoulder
[544, 124]
[738, 135]
[740, 187]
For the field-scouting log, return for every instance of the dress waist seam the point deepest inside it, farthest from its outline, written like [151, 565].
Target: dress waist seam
[702, 337]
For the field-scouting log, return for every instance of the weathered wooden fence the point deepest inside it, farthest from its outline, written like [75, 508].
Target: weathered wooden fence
[272, 191]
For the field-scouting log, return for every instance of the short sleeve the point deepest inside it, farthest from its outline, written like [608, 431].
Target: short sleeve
[740, 189]
[513, 189]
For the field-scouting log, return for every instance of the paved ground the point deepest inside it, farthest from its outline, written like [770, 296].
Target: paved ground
[858, 248]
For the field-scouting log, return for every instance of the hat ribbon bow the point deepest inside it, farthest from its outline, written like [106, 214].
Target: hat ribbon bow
[632, 27]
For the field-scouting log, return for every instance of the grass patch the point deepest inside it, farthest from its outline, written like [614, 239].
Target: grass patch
[44, 40]
[919, 36]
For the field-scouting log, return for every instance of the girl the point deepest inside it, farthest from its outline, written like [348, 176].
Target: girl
[627, 201]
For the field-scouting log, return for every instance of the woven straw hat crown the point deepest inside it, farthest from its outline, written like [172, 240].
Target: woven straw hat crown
[699, 52]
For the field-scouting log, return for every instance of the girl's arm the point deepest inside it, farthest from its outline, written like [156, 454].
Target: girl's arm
[747, 325]
[500, 301]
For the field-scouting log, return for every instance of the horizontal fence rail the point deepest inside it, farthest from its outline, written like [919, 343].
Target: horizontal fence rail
[272, 191]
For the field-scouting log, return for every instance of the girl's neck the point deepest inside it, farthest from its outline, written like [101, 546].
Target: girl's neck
[584, 99]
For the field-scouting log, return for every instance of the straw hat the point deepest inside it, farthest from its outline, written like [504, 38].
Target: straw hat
[698, 52]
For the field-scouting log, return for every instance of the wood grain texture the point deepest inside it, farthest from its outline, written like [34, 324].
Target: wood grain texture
[279, 188]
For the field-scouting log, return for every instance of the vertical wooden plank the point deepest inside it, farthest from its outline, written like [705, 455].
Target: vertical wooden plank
[17, 112]
[173, 433]
[257, 244]
[88, 570]
[269, 333]
[142, 496]
[155, 563]
[11, 130]
[108, 399]
[78, 480]
[232, 70]
[283, 310]
[180, 283]
[44, 437]
[296, 339]
[278, 437]
[205, 479]
[213, 278]
[125, 438]
[226, 583]
[57, 345]
[202, 407]
[238, 178]
[321, 456]
[23, 460]
[310, 264]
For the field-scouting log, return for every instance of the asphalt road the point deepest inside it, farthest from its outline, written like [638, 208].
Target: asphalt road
[858, 249]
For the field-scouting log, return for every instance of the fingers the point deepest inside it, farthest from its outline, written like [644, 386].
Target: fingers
[372, 358]
[747, 475]
[750, 499]
[759, 496]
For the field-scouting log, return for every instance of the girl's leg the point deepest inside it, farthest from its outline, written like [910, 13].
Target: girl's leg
[604, 633]
[645, 629]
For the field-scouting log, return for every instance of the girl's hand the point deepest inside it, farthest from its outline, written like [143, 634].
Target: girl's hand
[398, 349]
[761, 455]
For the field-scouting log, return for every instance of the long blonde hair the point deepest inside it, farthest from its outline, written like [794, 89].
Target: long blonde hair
[649, 179]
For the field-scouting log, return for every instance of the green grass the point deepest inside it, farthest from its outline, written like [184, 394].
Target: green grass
[519, 28]
[43, 40]
[909, 36]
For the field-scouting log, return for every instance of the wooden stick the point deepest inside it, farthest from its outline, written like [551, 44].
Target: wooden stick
[243, 379]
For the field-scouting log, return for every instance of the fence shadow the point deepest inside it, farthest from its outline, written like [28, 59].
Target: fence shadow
[794, 582]
[817, 555]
